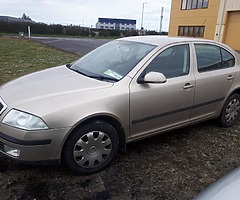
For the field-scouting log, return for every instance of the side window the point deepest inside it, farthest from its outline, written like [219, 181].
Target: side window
[227, 59]
[211, 57]
[172, 62]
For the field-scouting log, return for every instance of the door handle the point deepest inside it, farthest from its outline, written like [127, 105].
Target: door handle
[230, 77]
[187, 86]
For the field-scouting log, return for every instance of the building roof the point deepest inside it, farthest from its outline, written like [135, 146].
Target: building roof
[117, 21]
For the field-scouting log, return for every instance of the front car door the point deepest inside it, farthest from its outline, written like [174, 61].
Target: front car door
[215, 72]
[155, 107]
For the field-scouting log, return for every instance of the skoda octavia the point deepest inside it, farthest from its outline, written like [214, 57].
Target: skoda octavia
[126, 90]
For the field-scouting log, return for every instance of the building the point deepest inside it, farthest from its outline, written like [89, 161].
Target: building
[116, 24]
[217, 20]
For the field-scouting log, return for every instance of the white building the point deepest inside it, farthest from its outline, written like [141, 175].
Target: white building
[116, 24]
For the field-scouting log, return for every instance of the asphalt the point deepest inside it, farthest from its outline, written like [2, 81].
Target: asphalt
[80, 46]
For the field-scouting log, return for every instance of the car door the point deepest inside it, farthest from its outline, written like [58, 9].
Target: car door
[155, 107]
[215, 72]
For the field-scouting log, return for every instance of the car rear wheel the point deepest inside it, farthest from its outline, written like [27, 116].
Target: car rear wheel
[230, 111]
[91, 148]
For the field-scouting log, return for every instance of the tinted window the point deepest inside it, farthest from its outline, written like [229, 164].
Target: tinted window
[228, 59]
[210, 57]
[172, 62]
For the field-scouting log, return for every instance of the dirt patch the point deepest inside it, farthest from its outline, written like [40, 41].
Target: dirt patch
[176, 165]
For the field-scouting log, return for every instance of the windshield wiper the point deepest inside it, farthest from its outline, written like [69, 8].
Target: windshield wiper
[79, 72]
[99, 77]
[102, 78]
[68, 65]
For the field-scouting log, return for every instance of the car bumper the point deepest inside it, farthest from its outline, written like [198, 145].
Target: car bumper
[32, 145]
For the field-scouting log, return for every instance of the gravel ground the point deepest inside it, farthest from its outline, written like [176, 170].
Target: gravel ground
[175, 165]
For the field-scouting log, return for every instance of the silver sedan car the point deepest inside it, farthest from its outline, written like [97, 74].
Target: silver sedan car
[125, 90]
[226, 188]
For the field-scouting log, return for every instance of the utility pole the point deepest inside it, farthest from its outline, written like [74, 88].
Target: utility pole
[161, 20]
[142, 29]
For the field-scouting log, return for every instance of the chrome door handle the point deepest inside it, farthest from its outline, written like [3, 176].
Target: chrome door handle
[187, 86]
[230, 77]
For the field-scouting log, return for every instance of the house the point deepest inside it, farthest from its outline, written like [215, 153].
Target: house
[217, 20]
[116, 24]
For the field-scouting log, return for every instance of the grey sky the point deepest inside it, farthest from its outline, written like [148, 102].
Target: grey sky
[86, 12]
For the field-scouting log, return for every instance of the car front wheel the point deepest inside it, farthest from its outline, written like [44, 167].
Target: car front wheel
[230, 111]
[91, 148]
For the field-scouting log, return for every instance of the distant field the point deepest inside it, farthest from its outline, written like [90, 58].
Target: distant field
[23, 56]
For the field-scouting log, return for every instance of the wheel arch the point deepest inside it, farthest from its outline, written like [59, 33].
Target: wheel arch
[235, 91]
[109, 119]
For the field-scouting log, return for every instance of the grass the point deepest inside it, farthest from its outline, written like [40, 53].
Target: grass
[22, 56]
[60, 36]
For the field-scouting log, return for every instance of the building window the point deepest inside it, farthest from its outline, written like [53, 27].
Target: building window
[191, 31]
[205, 3]
[194, 4]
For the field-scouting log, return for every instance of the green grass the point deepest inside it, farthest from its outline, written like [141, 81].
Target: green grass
[60, 36]
[22, 56]
[73, 36]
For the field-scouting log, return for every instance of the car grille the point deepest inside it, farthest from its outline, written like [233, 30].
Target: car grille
[3, 106]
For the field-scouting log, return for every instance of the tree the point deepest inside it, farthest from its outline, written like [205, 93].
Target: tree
[24, 16]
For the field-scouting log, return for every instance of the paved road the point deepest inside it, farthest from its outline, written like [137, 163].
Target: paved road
[80, 46]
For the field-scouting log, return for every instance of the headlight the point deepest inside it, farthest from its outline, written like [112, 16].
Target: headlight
[22, 120]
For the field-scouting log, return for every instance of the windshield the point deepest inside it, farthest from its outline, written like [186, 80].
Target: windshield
[113, 60]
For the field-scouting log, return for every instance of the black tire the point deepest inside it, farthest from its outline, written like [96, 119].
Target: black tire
[230, 111]
[95, 145]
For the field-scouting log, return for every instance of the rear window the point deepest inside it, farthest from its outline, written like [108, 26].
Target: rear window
[211, 57]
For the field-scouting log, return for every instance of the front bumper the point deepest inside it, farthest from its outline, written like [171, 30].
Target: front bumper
[33, 145]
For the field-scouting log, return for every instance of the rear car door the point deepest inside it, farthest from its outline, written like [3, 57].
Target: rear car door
[155, 107]
[215, 72]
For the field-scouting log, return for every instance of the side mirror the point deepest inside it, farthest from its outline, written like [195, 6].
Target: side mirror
[154, 77]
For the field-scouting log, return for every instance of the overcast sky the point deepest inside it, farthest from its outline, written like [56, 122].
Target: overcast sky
[87, 12]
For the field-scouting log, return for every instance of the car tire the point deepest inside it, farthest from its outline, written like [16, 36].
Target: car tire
[230, 111]
[91, 148]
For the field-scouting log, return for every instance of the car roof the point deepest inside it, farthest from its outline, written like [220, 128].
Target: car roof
[162, 40]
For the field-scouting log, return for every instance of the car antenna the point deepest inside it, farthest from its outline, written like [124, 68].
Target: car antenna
[199, 29]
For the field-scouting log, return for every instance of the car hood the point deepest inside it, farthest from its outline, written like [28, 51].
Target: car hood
[226, 188]
[57, 81]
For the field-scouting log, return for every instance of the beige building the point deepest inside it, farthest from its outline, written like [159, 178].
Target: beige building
[211, 19]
